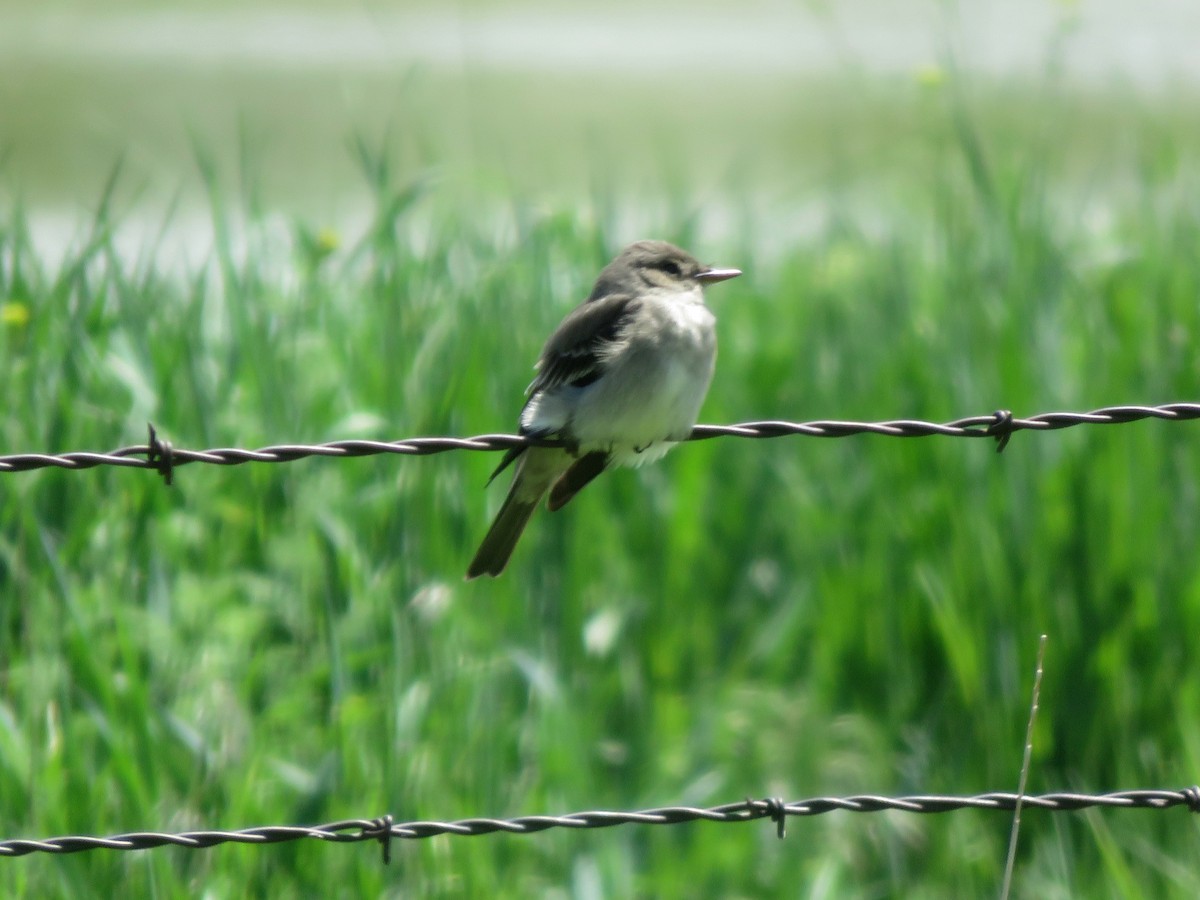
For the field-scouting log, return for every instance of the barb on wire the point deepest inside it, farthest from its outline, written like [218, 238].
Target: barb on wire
[384, 830]
[1001, 425]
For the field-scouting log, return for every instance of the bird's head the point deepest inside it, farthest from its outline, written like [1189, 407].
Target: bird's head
[656, 264]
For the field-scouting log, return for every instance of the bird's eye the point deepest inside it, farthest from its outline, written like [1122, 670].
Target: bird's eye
[671, 268]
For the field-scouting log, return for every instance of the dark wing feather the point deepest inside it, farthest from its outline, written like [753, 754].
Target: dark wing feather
[572, 354]
[576, 478]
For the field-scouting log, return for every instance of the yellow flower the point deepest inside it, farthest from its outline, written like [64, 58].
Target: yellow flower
[328, 240]
[14, 314]
[930, 75]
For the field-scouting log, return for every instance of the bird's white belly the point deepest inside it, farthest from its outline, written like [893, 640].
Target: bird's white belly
[647, 399]
[636, 420]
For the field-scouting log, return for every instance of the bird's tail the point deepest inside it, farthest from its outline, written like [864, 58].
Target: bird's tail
[492, 555]
[536, 470]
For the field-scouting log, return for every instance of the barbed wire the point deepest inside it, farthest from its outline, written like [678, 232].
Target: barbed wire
[384, 829]
[1001, 425]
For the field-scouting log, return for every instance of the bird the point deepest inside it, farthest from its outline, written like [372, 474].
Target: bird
[619, 382]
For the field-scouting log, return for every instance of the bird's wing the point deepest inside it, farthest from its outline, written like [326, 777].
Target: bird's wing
[574, 353]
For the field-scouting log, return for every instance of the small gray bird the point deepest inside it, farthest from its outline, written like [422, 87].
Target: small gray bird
[619, 382]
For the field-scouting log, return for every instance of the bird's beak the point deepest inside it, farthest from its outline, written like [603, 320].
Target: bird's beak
[710, 276]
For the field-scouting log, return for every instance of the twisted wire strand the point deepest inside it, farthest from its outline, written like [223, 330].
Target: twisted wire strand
[161, 456]
[384, 830]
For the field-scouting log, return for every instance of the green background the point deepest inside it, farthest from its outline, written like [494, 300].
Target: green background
[294, 644]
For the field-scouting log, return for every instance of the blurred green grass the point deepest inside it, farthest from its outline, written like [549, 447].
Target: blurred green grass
[294, 644]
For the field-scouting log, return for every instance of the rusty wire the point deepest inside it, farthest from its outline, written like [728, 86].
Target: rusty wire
[162, 457]
[384, 829]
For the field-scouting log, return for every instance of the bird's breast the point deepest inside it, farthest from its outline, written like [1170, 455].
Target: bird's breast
[655, 379]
